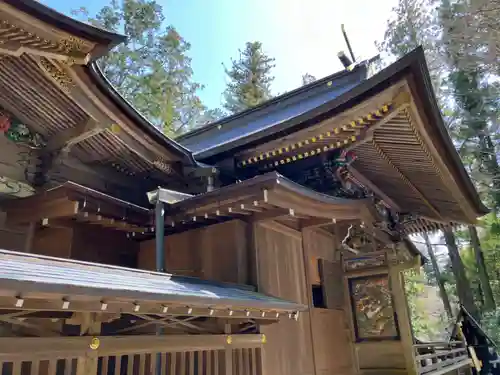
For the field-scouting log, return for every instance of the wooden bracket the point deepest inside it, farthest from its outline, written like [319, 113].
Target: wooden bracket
[70, 137]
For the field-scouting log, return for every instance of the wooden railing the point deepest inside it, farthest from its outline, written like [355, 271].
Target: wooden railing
[132, 355]
[441, 357]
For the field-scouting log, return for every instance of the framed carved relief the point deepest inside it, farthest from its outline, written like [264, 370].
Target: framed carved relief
[372, 307]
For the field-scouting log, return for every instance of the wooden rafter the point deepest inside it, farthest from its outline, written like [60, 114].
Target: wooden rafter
[416, 124]
[405, 179]
[264, 198]
[399, 103]
[70, 137]
[17, 320]
[103, 110]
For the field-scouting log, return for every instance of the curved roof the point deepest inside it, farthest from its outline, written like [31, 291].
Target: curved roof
[270, 116]
[293, 122]
[265, 197]
[144, 124]
[52, 56]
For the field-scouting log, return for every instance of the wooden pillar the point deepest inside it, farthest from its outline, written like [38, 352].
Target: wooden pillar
[87, 365]
[306, 259]
[228, 353]
[30, 233]
[403, 314]
[160, 256]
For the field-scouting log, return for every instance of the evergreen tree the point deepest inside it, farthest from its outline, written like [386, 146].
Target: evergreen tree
[471, 93]
[438, 278]
[249, 79]
[416, 23]
[413, 24]
[152, 69]
[307, 79]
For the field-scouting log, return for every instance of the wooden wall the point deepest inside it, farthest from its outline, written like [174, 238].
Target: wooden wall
[381, 356]
[331, 330]
[89, 243]
[281, 272]
[218, 252]
[102, 245]
[319, 244]
[332, 342]
[11, 239]
[55, 242]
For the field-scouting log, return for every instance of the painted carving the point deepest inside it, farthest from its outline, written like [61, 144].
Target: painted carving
[17, 132]
[58, 74]
[22, 38]
[373, 309]
[368, 261]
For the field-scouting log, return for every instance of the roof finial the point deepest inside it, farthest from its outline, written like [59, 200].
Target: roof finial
[348, 43]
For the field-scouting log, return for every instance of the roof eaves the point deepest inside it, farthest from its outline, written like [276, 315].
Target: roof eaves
[147, 127]
[67, 24]
[419, 69]
[414, 250]
[412, 63]
[59, 276]
[363, 90]
[268, 181]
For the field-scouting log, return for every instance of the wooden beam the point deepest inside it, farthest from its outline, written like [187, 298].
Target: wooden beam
[30, 233]
[52, 209]
[358, 176]
[271, 214]
[22, 348]
[70, 137]
[97, 177]
[314, 208]
[316, 222]
[93, 302]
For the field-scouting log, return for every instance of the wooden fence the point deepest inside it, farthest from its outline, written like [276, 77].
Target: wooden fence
[133, 355]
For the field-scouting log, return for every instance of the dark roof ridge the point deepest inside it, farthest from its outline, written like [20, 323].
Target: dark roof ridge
[305, 88]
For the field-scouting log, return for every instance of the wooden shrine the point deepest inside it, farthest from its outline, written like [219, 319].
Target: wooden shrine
[271, 242]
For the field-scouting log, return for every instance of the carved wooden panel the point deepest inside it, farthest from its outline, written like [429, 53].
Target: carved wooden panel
[373, 309]
[365, 261]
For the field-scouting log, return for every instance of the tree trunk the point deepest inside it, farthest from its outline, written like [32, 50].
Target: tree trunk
[439, 279]
[489, 158]
[464, 290]
[489, 301]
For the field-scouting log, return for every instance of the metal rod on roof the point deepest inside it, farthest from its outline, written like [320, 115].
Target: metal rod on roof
[348, 43]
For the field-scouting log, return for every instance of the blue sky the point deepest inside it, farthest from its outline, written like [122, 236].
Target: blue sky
[302, 35]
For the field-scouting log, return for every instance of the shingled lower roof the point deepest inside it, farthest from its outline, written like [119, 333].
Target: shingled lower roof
[35, 277]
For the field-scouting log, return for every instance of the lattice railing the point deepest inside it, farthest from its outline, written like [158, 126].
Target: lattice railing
[133, 355]
[441, 357]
